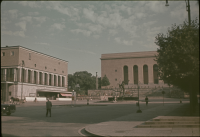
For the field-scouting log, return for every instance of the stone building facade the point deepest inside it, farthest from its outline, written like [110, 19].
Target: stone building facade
[134, 68]
[25, 72]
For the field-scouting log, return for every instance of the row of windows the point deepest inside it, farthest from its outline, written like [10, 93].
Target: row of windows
[145, 74]
[10, 77]
[11, 53]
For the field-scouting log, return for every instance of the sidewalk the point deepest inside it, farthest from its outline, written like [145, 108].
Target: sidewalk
[127, 125]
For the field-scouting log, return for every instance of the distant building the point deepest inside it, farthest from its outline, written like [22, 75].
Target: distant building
[25, 72]
[133, 68]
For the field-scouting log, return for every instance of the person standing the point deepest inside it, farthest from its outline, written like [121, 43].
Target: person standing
[146, 99]
[48, 107]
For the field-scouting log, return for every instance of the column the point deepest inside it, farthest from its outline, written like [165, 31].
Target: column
[47, 79]
[150, 73]
[43, 78]
[130, 74]
[15, 74]
[26, 76]
[19, 74]
[5, 73]
[52, 79]
[140, 74]
[60, 84]
[37, 77]
[32, 76]
[56, 80]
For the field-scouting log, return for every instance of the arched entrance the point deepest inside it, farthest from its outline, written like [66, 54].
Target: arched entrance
[145, 74]
[126, 75]
[135, 74]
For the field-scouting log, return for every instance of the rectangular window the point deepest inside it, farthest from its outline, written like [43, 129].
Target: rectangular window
[29, 56]
[3, 53]
[58, 81]
[45, 78]
[40, 77]
[54, 80]
[12, 53]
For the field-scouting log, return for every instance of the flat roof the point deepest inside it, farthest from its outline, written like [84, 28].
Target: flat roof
[33, 51]
[124, 55]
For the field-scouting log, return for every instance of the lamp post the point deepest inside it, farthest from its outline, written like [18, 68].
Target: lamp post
[138, 111]
[187, 9]
[23, 64]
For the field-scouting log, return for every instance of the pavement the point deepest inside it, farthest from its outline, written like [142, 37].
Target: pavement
[128, 125]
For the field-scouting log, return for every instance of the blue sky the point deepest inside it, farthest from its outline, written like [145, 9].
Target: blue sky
[79, 32]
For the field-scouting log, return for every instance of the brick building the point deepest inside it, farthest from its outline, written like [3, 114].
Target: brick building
[133, 68]
[25, 72]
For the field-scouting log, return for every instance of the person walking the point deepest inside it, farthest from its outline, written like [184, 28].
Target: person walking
[48, 107]
[146, 99]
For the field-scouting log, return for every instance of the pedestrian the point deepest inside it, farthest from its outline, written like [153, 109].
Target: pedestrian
[48, 107]
[35, 100]
[146, 99]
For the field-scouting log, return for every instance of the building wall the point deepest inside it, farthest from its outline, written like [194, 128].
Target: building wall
[9, 60]
[112, 66]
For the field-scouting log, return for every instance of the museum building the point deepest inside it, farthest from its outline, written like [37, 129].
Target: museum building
[134, 68]
[26, 73]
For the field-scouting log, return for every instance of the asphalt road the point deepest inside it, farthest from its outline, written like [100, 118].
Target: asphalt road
[30, 119]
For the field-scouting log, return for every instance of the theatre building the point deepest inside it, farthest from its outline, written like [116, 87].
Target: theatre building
[26, 73]
[134, 68]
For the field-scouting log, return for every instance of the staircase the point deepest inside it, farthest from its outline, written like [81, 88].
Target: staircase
[171, 122]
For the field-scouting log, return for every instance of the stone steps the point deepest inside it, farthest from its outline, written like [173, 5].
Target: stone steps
[171, 122]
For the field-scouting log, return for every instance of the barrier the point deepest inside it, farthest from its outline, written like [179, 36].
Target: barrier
[33, 99]
[64, 99]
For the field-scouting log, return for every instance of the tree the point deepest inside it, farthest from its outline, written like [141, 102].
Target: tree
[178, 58]
[83, 78]
[105, 81]
[121, 86]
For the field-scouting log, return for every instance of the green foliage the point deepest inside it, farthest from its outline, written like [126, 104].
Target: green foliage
[178, 56]
[105, 81]
[84, 79]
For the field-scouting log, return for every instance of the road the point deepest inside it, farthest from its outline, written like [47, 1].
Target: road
[30, 120]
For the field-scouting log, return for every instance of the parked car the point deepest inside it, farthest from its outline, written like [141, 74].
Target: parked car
[7, 109]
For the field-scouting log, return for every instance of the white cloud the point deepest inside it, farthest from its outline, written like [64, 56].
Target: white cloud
[95, 28]
[89, 14]
[113, 32]
[40, 19]
[33, 13]
[118, 40]
[179, 12]
[22, 25]
[16, 33]
[26, 18]
[84, 32]
[13, 13]
[58, 26]
[32, 4]
[96, 36]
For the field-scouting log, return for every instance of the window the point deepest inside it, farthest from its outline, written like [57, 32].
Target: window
[145, 74]
[135, 74]
[9, 93]
[29, 56]
[54, 69]
[62, 71]
[55, 79]
[126, 75]
[46, 78]
[35, 65]
[12, 53]
[40, 78]
[115, 79]
[50, 79]
[59, 63]
[35, 77]
[3, 53]
[45, 67]
[115, 70]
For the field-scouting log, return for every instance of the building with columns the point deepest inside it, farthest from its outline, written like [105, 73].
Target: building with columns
[134, 68]
[25, 72]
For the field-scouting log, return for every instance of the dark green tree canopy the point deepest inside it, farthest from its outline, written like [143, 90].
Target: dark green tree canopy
[105, 81]
[83, 78]
[178, 56]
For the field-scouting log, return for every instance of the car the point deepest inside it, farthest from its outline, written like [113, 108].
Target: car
[7, 109]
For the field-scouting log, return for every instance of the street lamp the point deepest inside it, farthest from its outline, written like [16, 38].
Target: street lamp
[187, 9]
[23, 64]
[138, 111]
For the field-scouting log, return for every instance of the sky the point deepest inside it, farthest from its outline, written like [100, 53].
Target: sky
[79, 32]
